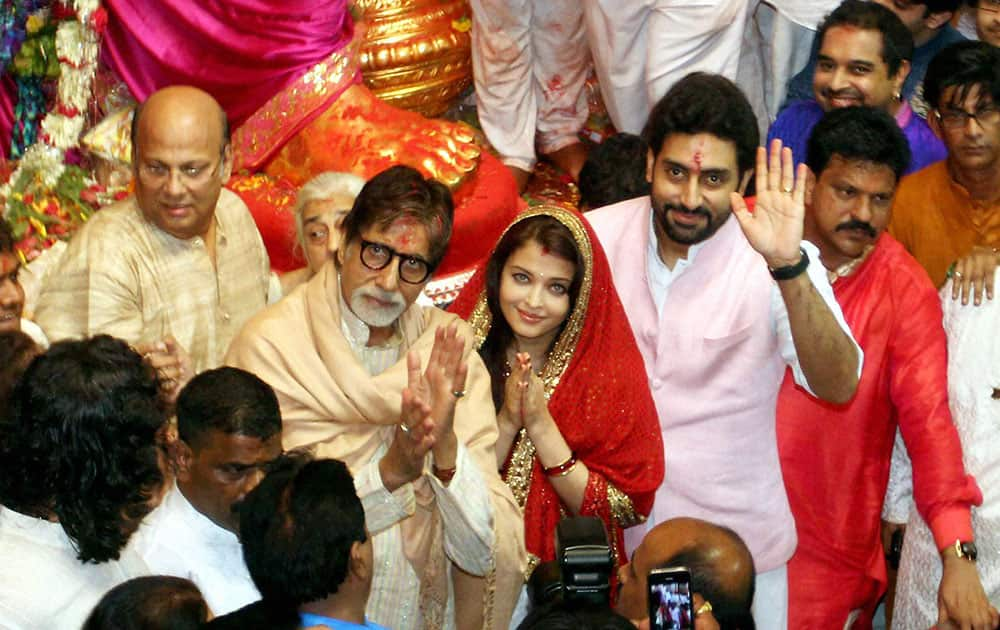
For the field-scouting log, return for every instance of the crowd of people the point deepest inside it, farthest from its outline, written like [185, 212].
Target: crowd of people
[753, 360]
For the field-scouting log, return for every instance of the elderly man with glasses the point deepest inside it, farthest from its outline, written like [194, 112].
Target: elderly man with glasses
[395, 390]
[179, 266]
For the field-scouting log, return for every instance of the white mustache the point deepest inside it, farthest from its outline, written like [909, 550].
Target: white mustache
[384, 296]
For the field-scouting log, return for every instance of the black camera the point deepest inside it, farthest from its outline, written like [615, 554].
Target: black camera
[581, 572]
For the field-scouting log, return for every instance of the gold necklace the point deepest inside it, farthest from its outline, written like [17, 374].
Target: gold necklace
[848, 268]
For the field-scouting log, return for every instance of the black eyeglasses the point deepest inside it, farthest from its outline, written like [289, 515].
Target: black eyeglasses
[412, 269]
[958, 118]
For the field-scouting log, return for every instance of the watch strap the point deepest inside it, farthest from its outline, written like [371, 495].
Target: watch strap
[791, 271]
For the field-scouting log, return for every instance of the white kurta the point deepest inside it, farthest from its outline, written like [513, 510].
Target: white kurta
[176, 539]
[973, 373]
[43, 584]
[642, 47]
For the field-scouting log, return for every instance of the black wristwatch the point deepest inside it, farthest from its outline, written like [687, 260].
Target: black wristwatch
[965, 550]
[791, 271]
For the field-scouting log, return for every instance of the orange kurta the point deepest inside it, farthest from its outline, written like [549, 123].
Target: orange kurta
[937, 221]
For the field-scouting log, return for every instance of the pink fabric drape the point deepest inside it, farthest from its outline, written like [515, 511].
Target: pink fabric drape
[240, 51]
[8, 98]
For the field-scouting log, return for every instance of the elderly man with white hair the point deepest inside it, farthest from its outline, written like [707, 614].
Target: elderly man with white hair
[320, 207]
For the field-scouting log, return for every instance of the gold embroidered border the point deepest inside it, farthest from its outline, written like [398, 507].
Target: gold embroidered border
[533, 562]
[273, 124]
[562, 352]
[518, 473]
[621, 507]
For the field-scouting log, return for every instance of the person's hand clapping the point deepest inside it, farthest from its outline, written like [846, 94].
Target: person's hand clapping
[414, 437]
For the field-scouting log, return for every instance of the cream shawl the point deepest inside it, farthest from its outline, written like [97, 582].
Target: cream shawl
[331, 404]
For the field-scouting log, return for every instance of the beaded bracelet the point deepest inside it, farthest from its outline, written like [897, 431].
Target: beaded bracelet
[562, 469]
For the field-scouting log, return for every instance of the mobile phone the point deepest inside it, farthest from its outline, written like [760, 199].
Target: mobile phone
[668, 593]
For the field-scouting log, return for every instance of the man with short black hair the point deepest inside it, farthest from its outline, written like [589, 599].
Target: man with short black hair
[80, 465]
[719, 309]
[613, 172]
[229, 431]
[835, 459]
[865, 52]
[949, 214]
[929, 23]
[347, 355]
[306, 543]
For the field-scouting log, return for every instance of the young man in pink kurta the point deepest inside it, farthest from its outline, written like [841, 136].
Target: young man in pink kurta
[715, 328]
[835, 458]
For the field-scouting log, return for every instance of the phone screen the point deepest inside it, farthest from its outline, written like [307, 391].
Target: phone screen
[669, 597]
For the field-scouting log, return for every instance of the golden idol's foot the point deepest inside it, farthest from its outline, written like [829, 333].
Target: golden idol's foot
[359, 133]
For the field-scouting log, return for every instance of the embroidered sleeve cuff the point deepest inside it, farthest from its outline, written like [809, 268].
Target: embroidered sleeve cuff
[951, 524]
[383, 509]
[621, 507]
[467, 515]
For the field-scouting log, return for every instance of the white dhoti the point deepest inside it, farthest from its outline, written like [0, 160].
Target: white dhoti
[530, 63]
[642, 47]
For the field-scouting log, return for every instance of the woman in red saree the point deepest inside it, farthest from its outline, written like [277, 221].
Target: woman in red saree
[578, 430]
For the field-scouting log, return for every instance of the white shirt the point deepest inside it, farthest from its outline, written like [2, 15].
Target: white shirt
[464, 507]
[43, 584]
[807, 13]
[660, 277]
[176, 539]
[34, 331]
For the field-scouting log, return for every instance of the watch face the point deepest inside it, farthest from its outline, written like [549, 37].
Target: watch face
[969, 550]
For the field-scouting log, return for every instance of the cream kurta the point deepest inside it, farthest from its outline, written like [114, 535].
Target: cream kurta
[330, 403]
[123, 276]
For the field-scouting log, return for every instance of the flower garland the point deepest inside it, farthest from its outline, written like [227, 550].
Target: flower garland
[48, 195]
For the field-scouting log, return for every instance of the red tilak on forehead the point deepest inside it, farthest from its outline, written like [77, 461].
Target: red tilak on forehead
[545, 250]
[698, 156]
[404, 230]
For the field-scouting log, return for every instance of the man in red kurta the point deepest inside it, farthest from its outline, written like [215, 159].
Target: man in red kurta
[835, 459]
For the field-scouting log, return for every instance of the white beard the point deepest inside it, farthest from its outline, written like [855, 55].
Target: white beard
[377, 317]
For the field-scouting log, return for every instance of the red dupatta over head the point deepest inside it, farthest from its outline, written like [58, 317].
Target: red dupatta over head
[598, 396]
